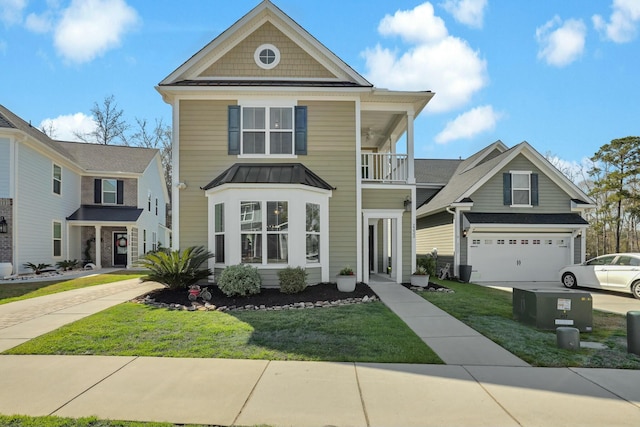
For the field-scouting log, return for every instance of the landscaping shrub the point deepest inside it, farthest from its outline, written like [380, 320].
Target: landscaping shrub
[292, 280]
[239, 280]
[175, 269]
[428, 262]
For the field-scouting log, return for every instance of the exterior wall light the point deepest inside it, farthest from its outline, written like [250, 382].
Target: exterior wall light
[407, 204]
[4, 227]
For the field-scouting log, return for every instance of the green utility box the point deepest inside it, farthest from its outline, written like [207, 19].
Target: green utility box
[549, 309]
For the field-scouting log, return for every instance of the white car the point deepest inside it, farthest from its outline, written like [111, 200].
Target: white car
[614, 272]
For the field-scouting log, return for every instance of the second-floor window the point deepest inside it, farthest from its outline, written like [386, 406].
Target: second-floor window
[57, 179]
[267, 130]
[520, 189]
[108, 191]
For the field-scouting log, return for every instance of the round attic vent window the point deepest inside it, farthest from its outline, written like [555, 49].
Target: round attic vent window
[267, 56]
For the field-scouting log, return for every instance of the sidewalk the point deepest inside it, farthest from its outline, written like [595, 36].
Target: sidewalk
[285, 393]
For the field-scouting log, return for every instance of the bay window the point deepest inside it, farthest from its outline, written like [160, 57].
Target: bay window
[313, 232]
[260, 227]
[218, 231]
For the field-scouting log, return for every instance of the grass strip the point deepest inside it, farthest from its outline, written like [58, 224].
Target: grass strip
[356, 333]
[489, 311]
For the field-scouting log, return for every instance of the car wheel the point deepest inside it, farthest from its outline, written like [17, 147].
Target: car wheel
[635, 290]
[569, 280]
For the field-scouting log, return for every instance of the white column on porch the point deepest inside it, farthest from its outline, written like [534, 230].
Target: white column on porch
[129, 245]
[411, 179]
[98, 246]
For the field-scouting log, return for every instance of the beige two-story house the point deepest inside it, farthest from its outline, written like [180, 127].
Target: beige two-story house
[286, 156]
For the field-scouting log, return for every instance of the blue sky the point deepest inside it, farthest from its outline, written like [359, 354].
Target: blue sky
[562, 75]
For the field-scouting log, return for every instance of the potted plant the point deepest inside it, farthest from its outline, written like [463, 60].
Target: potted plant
[346, 280]
[425, 269]
[420, 277]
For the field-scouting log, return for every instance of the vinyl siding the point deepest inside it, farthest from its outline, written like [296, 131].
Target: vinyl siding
[5, 169]
[151, 182]
[37, 207]
[331, 155]
[294, 61]
[435, 231]
[552, 199]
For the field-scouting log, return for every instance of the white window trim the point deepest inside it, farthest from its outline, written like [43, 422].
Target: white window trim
[267, 105]
[297, 198]
[264, 232]
[54, 238]
[522, 205]
[102, 191]
[259, 63]
[53, 177]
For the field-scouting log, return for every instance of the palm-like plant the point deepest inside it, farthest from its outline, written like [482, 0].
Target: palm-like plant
[177, 269]
[37, 268]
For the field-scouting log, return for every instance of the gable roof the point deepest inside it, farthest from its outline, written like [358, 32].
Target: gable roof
[264, 12]
[435, 171]
[482, 166]
[11, 121]
[269, 173]
[109, 158]
[87, 156]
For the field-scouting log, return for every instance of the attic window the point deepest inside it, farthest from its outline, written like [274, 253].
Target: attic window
[267, 56]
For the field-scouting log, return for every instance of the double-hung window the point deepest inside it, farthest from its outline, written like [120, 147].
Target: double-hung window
[313, 233]
[521, 188]
[267, 130]
[57, 179]
[219, 232]
[57, 239]
[264, 232]
[109, 191]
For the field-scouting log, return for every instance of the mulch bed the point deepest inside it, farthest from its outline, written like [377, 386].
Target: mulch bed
[267, 297]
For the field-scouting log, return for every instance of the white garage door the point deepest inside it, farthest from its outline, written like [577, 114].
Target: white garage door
[518, 257]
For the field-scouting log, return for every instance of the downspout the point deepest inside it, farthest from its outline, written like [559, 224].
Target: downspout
[456, 239]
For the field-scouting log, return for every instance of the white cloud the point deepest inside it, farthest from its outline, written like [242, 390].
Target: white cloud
[623, 23]
[89, 28]
[11, 11]
[561, 43]
[437, 61]
[419, 25]
[39, 23]
[467, 12]
[63, 127]
[469, 124]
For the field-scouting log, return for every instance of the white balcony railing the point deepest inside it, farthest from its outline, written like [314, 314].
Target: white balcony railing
[385, 167]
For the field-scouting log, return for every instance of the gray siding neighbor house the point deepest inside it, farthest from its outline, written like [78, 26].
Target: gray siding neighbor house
[103, 204]
[504, 214]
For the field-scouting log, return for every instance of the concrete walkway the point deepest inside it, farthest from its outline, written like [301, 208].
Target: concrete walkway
[455, 342]
[284, 393]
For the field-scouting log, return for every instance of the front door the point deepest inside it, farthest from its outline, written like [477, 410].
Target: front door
[120, 248]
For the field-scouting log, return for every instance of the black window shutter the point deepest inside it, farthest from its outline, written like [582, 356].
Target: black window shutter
[120, 194]
[506, 188]
[97, 191]
[301, 130]
[234, 129]
[534, 189]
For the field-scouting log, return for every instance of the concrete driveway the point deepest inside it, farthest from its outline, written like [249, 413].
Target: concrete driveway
[612, 302]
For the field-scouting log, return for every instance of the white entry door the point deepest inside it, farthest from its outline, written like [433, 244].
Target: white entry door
[518, 257]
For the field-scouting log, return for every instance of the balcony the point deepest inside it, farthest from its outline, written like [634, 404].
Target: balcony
[385, 168]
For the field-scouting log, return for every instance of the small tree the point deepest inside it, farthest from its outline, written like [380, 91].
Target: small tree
[176, 269]
[110, 124]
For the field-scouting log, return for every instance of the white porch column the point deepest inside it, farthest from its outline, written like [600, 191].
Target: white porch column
[411, 176]
[129, 246]
[98, 246]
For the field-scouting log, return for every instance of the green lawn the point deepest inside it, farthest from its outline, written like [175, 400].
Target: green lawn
[356, 333]
[16, 291]
[25, 421]
[489, 311]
